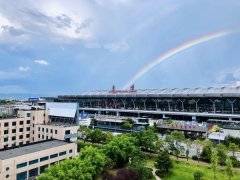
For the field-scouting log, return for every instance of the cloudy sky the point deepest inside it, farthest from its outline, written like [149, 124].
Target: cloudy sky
[71, 46]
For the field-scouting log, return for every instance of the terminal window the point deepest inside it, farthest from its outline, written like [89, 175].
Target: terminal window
[33, 161]
[14, 123]
[5, 131]
[21, 122]
[62, 153]
[13, 130]
[44, 158]
[6, 124]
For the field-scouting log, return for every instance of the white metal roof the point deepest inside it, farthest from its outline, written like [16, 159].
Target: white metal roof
[174, 92]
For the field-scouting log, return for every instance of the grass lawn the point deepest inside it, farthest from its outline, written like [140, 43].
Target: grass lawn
[184, 171]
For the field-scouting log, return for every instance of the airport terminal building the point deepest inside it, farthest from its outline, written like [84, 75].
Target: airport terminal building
[199, 104]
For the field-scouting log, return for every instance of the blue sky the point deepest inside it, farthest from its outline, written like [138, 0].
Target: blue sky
[72, 46]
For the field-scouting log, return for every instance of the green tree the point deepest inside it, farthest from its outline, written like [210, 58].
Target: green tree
[188, 146]
[229, 168]
[149, 140]
[233, 147]
[107, 137]
[222, 154]
[85, 133]
[198, 145]
[163, 162]
[90, 163]
[126, 125]
[97, 136]
[214, 162]
[174, 141]
[120, 149]
[207, 150]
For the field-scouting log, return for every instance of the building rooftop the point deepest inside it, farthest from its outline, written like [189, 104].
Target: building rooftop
[31, 148]
[166, 92]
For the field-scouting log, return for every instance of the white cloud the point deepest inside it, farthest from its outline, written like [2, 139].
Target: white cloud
[24, 69]
[42, 62]
[117, 47]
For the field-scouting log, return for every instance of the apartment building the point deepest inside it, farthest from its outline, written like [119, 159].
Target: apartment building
[20, 130]
[28, 161]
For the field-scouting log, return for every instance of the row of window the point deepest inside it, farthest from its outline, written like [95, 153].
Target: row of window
[14, 130]
[14, 137]
[21, 165]
[14, 123]
[51, 130]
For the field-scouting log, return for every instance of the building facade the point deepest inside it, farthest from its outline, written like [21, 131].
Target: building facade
[29, 161]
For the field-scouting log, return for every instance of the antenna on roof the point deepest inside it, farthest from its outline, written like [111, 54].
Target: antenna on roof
[132, 88]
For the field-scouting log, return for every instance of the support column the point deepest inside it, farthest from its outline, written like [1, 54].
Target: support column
[214, 104]
[196, 102]
[124, 103]
[156, 103]
[168, 102]
[232, 106]
[133, 101]
[115, 104]
[182, 101]
[144, 103]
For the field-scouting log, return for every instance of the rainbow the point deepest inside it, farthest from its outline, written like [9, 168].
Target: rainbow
[174, 52]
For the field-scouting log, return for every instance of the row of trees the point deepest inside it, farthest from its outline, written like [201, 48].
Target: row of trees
[126, 149]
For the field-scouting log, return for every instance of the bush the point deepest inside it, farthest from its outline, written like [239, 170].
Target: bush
[235, 162]
[194, 157]
[146, 173]
[198, 175]
[158, 173]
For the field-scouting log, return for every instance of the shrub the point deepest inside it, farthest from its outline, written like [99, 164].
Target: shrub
[198, 175]
[235, 162]
[158, 173]
[194, 157]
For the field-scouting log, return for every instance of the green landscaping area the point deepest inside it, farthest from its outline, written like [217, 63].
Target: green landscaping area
[185, 170]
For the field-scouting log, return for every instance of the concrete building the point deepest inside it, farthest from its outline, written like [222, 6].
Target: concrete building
[19, 131]
[29, 161]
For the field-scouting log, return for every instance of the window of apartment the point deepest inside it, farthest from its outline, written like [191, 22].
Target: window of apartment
[28, 128]
[6, 139]
[44, 158]
[42, 129]
[42, 136]
[33, 161]
[21, 137]
[13, 138]
[51, 131]
[53, 156]
[55, 131]
[28, 121]
[33, 117]
[62, 153]
[5, 131]
[38, 128]
[7, 168]
[13, 130]
[70, 151]
[7, 176]
[21, 130]
[28, 114]
[21, 165]
[21, 122]
[39, 136]
[6, 124]
[27, 142]
[27, 135]
[47, 130]
[21, 143]
[14, 123]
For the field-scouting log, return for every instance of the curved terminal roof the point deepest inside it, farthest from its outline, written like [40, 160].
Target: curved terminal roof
[175, 92]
